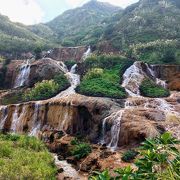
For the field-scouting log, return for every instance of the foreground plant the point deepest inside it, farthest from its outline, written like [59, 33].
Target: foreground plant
[23, 157]
[159, 159]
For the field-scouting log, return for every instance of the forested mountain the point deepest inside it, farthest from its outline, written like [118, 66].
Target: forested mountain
[15, 37]
[82, 25]
[145, 21]
[95, 23]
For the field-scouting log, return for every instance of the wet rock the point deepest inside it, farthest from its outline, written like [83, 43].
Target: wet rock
[71, 160]
[60, 170]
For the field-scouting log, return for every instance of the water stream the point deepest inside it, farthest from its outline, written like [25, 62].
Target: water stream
[36, 123]
[4, 115]
[73, 78]
[23, 76]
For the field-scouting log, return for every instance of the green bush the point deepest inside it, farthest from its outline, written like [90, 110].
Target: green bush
[156, 52]
[149, 89]
[23, 157]
[159, 159]
[80, 150]
[101, 84]
[47, 88]
[103, 76]
[42, 90]
[62, 82]
[129, 155]
[108, 62]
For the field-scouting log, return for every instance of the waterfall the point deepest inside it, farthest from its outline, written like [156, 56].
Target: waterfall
[87, 53]
[73, 78]
[16, 118]
[135, 74]
[4, 114]
[115, 129]
[132, 79]
[23, 75]
[153, 74]
[36, 124]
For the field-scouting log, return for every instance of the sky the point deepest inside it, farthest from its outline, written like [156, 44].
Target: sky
[35, 11]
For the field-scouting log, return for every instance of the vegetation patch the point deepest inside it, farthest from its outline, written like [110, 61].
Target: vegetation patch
[129, 155]
[103, 76]
[156, 52]
[148, 88]
[159, 159]
[47, 88]
[23, 157]
[80, 149]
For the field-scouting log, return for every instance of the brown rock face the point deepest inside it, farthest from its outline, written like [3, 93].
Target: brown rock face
[39, 70]
[68, 53]
[77, 114]
[171, 73]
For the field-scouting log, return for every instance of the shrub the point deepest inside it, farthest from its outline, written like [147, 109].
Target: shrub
[129, 155]
[96, 83]
[103, 76]
[42, 90]
[149, 89]
[108, 62]
[47, 88]
[156, 52]
[62, 82]
[159, 159]
[81, 150]
[21, 159]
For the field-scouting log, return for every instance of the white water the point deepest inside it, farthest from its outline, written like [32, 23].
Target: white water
[132, 79]
[4, 114]
[134, 75]
[23, 75]
[69, 171]
[115, 129]
[73, 78]
[153, 74]
[36, 124]
[87, 53]
[16, 119]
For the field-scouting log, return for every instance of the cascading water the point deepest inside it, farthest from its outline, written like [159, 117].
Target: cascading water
[36, 124]
[87, 53]
[152, 72]
[3, 117]
[132, 79]
[23, 75]
[115, 129]
[135, 74]
[73, 78]
[16, 118]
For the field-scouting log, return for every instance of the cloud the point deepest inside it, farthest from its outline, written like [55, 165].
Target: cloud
[25, 11]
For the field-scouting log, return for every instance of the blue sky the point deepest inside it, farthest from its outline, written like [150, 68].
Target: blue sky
[36, 11]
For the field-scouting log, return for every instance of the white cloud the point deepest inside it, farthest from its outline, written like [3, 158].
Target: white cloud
[24, 11]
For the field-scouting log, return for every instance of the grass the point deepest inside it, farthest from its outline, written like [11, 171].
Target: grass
[23, 157]
[149, 89]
